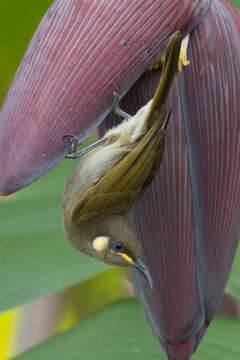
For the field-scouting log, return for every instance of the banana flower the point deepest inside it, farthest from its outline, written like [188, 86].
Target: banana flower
[188, 221]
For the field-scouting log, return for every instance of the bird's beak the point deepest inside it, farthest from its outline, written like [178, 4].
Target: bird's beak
[139, 265]
[143, 269]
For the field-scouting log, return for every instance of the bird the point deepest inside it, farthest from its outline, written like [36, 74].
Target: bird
[112, 175]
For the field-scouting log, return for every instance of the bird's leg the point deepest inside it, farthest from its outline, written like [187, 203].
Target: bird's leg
[116, 109]
[74, 141]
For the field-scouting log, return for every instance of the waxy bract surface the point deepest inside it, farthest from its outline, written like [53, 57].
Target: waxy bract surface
[81, 53]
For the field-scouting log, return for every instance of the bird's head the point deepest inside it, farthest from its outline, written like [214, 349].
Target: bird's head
[108, 239]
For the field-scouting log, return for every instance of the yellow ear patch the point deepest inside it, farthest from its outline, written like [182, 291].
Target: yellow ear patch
[100, 243]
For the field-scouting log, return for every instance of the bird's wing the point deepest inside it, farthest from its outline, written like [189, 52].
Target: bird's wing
[123, 185]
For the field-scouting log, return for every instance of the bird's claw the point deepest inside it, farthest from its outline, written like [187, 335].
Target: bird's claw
[74, 142]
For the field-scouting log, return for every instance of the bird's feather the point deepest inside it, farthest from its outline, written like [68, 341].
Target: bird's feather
[119, 189]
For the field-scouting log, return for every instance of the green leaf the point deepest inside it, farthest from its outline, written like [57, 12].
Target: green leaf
[117, 332]
[18, 21]
[236, 2]
[120, 331]
[233, 285]
[35, 257]
[221, 340]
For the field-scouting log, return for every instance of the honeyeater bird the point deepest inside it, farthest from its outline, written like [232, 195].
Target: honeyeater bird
[113, 174]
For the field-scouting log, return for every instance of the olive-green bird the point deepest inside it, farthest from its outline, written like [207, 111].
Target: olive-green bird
[112, 175]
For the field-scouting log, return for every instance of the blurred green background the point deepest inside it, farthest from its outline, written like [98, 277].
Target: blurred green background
[36, 260]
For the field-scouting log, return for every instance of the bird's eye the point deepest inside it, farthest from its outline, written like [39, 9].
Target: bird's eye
[118, 246]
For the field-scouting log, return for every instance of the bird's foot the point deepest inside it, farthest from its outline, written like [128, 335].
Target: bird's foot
[116, 109]
[75, 142]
